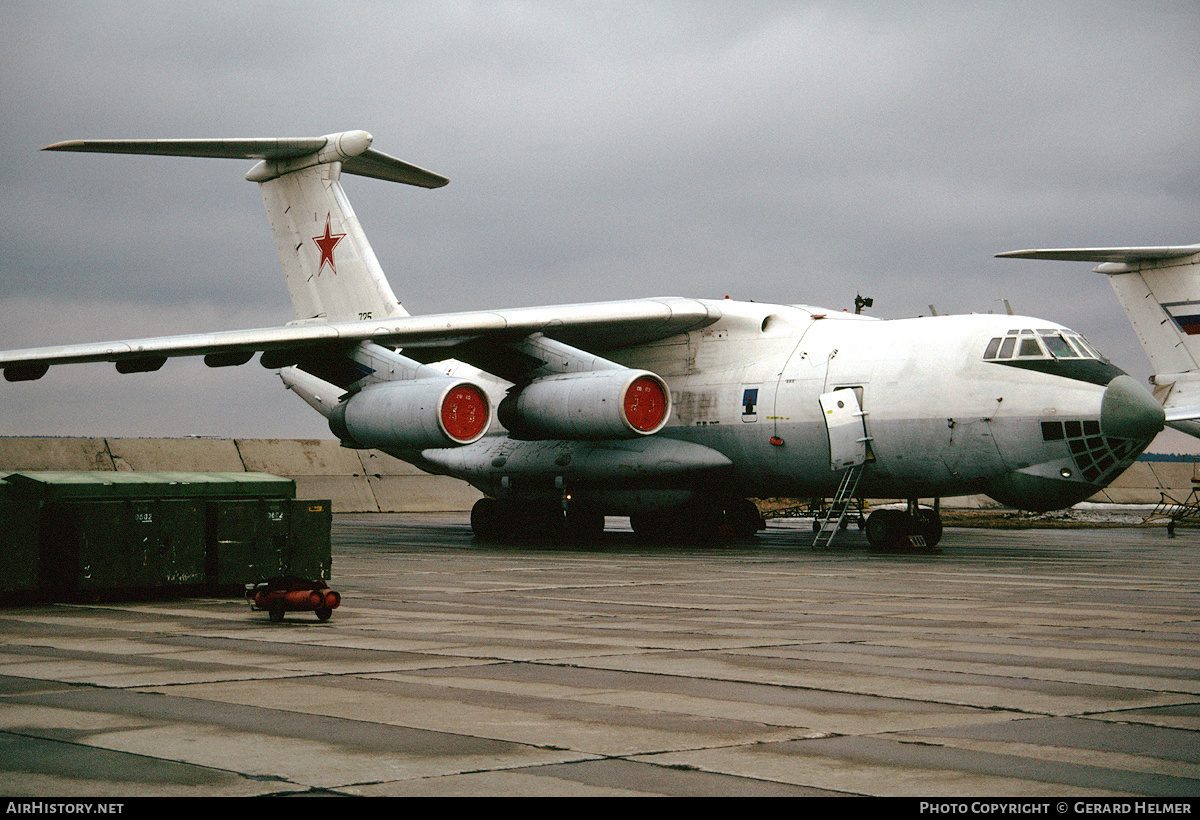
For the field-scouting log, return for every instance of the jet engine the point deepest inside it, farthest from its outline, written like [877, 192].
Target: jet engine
[413, 415]
[590, 405]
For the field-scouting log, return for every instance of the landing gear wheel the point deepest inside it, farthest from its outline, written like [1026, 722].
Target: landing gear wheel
[649, 526]
[584, 523]
[539, 521]
[523, 520]
[891, 529]
[276, 610]
[324, 613]
[887, 529]
[700, 524]
[742, 518]
[929, 526]
[711, 521]
[487, 519]
[692, 524]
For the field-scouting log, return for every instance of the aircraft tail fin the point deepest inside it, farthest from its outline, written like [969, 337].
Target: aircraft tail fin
[332, 272]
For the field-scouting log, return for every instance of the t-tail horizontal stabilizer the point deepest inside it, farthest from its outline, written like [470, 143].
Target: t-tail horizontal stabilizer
[351, 148]
[1126, 256]
[332, 273]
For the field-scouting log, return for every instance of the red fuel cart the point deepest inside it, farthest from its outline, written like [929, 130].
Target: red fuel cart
[280, 595]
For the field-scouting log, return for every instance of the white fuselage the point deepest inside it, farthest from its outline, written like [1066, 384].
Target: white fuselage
[937, 419]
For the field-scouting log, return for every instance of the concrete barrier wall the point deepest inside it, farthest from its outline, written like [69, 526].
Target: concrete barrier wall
[369, 481]
[353, 480]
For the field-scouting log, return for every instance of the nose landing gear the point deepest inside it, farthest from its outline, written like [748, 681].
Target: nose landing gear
[917, 527]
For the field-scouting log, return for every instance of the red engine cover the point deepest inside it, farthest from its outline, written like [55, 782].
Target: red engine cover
[464, 413]
[645, 405]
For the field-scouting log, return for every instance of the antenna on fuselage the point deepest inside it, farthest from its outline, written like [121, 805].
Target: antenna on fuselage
[860, 302]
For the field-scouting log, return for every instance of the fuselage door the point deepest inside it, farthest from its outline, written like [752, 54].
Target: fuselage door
[847, 431]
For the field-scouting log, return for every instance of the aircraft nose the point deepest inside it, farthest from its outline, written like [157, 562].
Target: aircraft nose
[1128, 411]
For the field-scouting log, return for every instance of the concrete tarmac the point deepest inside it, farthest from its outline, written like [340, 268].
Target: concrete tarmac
[1036, 663]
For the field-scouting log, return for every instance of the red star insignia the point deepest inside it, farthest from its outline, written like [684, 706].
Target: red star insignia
[326, 244]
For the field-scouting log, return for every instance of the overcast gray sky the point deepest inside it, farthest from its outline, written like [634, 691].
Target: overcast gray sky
[786, 152]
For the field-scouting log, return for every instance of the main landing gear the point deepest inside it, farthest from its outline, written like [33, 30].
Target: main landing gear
[512, 520]
[541, 520]
[915, 527]
[709, 521]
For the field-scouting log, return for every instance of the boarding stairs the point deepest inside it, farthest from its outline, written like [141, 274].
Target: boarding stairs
[845, 503]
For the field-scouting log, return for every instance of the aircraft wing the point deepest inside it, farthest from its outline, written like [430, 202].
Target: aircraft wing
[595, 326]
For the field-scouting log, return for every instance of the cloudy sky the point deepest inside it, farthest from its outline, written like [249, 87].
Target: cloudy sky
[794, 152]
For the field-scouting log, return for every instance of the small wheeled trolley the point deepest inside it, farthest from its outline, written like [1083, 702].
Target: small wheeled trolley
[281, 595]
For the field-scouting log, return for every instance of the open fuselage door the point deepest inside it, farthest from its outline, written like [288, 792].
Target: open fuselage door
[844, 422]
[848, 453]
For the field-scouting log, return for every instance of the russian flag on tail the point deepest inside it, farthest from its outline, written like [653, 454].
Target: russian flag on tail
[1186, 316]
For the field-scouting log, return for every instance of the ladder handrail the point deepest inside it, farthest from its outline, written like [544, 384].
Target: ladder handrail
[840, 504]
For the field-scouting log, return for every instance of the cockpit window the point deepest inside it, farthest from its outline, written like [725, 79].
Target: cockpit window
[1030, 347]
[1091, 351]
[1025, 343]
[1056, 343]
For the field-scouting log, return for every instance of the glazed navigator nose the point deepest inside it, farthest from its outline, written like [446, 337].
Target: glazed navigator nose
[1128, 411]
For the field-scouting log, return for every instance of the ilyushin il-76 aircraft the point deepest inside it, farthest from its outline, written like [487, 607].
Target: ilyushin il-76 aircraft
[672, 411]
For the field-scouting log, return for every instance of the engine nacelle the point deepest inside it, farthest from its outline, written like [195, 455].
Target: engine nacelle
[592, 405]
[413, 415]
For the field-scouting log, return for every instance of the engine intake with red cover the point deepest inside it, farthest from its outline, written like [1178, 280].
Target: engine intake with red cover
[593, 405]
